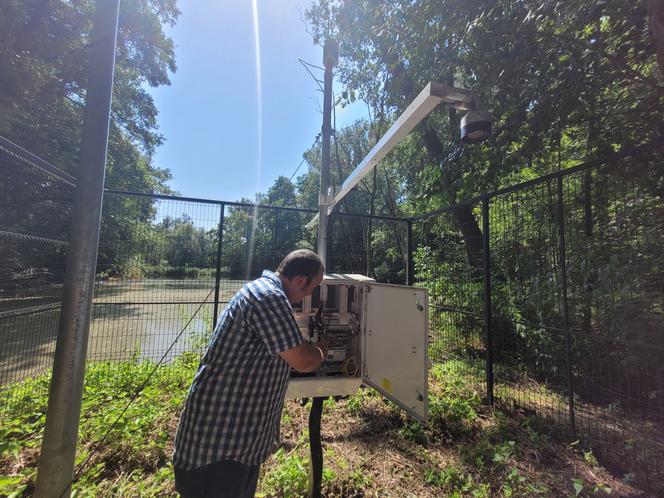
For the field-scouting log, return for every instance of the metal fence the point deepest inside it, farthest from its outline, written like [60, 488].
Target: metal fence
[166, 266]
[35, 207]
[548, 295]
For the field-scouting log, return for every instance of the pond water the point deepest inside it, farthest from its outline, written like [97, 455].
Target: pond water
[130, 319]
[145, 318]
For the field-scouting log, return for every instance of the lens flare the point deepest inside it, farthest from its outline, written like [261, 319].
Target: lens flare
[259, 135]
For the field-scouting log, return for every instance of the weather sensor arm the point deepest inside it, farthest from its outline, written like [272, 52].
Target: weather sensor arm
[432, 95]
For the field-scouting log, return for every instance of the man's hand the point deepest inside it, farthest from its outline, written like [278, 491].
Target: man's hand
[324, 345]
[306, 357]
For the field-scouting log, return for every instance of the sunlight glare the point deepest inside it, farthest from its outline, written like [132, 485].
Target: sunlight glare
[259, 134]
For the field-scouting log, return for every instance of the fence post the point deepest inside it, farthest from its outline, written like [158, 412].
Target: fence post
[217, 278]
[488, 313]
[55, 472]
[410, 265]
[329, 242]
[276, 231]
[563, 275]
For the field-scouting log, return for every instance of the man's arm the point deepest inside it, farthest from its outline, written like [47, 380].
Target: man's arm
[306, 357]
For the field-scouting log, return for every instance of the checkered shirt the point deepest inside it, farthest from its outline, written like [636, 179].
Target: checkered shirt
[233, 408]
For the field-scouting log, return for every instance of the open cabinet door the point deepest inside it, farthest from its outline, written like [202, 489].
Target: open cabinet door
[395, 333]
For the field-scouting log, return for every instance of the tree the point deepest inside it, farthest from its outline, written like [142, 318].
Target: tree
[551, 74]
[564, 82]
[43, 61]
[656, 14]
[43, 64]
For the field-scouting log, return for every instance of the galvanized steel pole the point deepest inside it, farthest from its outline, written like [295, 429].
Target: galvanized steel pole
[330, 56]
[58, 451]
[217, 274]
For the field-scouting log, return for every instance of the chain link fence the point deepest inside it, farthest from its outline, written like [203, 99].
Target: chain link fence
[550, 295]
[35, 211]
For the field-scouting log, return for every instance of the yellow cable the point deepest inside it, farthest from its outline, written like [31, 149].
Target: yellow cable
[346, 368]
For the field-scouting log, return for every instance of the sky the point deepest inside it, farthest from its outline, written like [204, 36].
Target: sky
[232, 126]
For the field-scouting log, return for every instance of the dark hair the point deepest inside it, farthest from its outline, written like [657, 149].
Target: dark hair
[301, 262]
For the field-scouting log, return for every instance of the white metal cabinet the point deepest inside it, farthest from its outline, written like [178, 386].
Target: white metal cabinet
[395, 345]
[383, 328]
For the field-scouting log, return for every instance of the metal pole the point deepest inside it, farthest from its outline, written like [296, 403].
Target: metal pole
[488, 313]
[276, 231]
[563, 273]
[330, 55]
[410, 265]
[217, 277]
[58, 451]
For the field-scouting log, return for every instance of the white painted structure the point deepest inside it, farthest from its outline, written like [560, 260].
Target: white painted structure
[378, 337]
[432, 95]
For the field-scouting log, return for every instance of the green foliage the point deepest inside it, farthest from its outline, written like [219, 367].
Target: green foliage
[515, 484]
[132, 268]
[546, 71]
[454, 402]
[44, 54]
[355, 402]
[289, 477]
[414, 431]
[329, 403]
[504, 452]
[455, 482]
[577, 484]
[134, 453]
[21, 429]
[359, 479]
[564, 83]
[369, 247]
[495, 458]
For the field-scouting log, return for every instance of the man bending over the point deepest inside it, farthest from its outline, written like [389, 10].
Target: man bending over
[233, 409]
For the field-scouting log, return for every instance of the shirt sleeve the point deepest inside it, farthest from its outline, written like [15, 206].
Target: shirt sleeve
[275, 325]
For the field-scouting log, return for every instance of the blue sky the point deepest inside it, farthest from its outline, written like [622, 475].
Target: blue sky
[210, 114]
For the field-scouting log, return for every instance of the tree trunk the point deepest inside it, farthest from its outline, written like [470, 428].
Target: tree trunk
[656, 13]
[462, 214]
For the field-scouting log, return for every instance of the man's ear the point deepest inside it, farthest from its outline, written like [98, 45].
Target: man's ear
[300, 280]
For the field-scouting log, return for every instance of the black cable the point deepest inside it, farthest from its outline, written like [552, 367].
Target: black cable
[305, 64]
[78, 473]
[304, 158]
[302, 61]
[296, 169]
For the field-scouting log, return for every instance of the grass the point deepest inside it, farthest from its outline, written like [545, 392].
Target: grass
[370, 447]
[136, 454]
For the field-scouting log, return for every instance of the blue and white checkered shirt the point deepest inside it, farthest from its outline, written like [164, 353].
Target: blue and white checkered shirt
[233, 409]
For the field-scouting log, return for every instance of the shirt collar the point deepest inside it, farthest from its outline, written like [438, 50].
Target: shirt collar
[273, 277]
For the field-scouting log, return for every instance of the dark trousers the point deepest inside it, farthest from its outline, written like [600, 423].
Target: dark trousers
[225, 479]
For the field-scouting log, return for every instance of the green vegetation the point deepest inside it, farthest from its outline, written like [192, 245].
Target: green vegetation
[288, 476]
[135, 457]
[465, 451]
